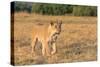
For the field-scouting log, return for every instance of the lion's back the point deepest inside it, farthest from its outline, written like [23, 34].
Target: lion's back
[40, 31]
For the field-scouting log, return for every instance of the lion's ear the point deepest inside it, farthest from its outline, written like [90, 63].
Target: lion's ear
[59, 22]
[51, 23]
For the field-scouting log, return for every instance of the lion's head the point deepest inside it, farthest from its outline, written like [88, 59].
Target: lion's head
[55, 29]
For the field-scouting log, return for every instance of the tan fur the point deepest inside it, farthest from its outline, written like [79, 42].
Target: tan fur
[44, 35]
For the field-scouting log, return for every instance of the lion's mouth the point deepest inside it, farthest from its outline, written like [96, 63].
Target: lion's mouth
[54, 37]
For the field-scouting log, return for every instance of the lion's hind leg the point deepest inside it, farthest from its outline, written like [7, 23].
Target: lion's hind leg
[33, 44]
[43, 50]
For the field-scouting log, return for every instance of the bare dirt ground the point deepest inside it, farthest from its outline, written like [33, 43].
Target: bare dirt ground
[76, 43]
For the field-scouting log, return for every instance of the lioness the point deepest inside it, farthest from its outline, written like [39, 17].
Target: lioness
[46, 35]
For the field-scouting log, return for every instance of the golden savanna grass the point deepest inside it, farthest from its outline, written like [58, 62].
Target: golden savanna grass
[77, 41]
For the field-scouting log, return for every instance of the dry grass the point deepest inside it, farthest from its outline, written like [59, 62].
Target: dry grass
[77, 41]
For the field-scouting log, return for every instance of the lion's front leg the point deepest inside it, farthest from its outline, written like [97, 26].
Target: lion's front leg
[45, 49]
[33, 46]
[53, 48]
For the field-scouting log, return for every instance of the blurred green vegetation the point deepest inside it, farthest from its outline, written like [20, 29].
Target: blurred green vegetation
[55, 9]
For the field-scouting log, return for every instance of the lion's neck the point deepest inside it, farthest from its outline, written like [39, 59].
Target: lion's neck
[50, 32]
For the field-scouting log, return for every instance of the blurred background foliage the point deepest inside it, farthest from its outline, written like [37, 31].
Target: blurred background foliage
[55, 9]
